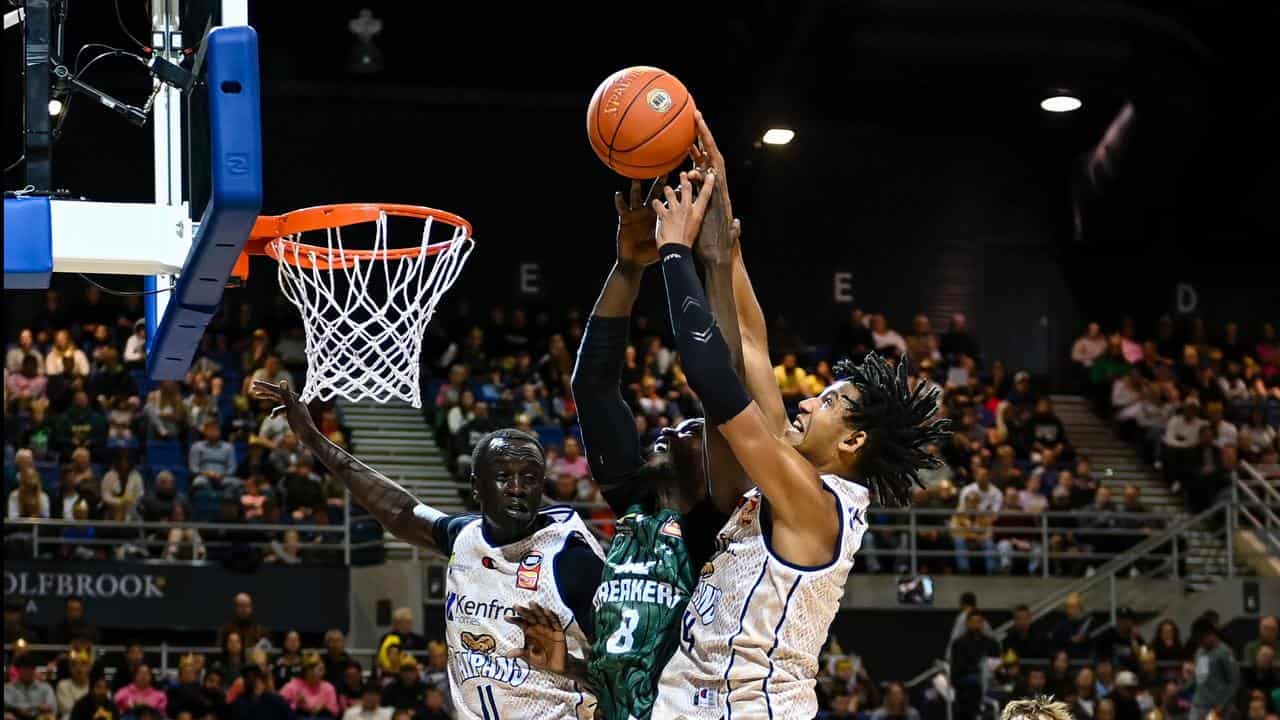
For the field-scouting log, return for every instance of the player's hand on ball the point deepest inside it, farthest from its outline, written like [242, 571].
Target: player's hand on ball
[680, 218]
[637, 223]
[544, 646]
[287, 401]
[707, 156]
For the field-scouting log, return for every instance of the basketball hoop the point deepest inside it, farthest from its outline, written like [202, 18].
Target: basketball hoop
[364, 311]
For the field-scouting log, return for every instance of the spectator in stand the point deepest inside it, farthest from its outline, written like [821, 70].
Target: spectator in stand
[1047, 431]
[573, 464]
[887, 342]
[202, 408]
[1097, 520]
[1224, 433]
[351, 687]
[260, 702]
[65, 359]
[470, 434]
[370, 705]
[1268, 636]
[212, 460]
[1023, 639]
[67, 493]
[135, 348]
[1015, 533]
[556, 367]
[402, 635]
[75, 686]
[1032, 498]
[532, 405]
[652, 403]
[460, 413]
[302, 487]
[972, 534]
[1120, 643]
[253, 496]
[166, 412]
[81, 425]
[895, 705]
[25, 348]
[1217, 674]
[853, 339]
[1256, 436]
[792, 381]
[958, 346]
[922, 343]
[969, 653]
[272, 371]
[25, 384]
[1088, 347]
[122, 486]
[1086, 695]
[288, 665]
[73, 624]
[97, 704]
[1132, 518]
[407, 691]
[336, 659]
[989, 496]
[187, 696]
[1073, 631]
[309, 695]
[26, 697]
[1031, 685]
[1167, 643]
[434, 706]
[242, 622]
[256, 657]
[233, 656]
[137, 697]
[1261, 673]
[1181, 438]
[436, 673]
[29, 499]
[157, 503]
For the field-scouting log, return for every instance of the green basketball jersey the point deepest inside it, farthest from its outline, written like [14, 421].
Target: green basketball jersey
[646, 582]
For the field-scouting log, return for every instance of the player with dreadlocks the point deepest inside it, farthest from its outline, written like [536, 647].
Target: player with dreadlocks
[752, 631]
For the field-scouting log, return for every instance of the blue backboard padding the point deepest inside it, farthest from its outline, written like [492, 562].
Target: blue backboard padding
[235, 134]
[28, 243]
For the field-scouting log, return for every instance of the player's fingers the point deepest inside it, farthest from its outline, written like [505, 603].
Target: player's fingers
[735, 229]
[636, 193]
[618, 204]
[518, 653]
[704, 197]
[275, 411]
[548, 618]
[704, 134]
[670, 195]
[686, 189]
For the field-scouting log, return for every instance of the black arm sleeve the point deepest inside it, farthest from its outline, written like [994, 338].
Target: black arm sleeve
[608, 426]
[577, 569]
[703, 352]
[445, 530]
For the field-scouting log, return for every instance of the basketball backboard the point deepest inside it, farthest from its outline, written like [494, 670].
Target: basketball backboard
[208, 193]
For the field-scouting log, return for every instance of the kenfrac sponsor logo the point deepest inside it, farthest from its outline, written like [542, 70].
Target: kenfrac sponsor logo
[87, 585]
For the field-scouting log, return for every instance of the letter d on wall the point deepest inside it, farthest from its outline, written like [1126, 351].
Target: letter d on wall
[1186, 299]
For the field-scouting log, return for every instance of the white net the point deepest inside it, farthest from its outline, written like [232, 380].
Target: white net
[365, 313]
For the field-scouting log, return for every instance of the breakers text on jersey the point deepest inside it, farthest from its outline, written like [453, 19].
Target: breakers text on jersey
[637, 590]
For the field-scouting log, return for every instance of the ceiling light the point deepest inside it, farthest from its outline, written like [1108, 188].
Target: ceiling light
[55, 107]
[1061, 103]
[778, 136]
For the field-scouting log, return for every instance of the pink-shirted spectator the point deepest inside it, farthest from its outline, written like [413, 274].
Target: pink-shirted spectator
[310, 695]
[141, 694]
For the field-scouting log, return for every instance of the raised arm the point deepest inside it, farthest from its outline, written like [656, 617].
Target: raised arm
[392, 505]
[608, 425]
[755, 368]
[798, 502]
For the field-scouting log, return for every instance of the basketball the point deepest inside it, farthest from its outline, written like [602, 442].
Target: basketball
[640, 122]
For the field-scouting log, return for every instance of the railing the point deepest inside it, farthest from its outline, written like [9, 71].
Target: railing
[1257, 501]
[169, 654]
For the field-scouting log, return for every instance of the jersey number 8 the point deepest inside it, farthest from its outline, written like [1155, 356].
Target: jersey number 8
[624, 637]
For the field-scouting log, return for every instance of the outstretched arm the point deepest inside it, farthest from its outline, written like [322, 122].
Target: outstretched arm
[788, 481]
[392, 505]
[608, 425]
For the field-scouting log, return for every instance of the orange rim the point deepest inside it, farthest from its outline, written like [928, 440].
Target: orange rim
[270, 228]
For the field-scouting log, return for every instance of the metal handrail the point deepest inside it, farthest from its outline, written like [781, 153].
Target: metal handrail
[1108, 571]
[1268, 526]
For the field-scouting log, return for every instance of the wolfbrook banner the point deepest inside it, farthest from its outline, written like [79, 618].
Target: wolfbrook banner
[156, 595]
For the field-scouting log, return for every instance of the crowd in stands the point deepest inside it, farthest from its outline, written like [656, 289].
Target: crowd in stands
[1009, 460]
[259, 674]
[89, 438]
[1195, 403]
[1108, 671]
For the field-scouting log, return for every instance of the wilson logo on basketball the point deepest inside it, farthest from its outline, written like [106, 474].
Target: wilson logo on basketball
[659, 100]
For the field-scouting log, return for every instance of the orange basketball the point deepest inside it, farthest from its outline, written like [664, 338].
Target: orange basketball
[640, 122]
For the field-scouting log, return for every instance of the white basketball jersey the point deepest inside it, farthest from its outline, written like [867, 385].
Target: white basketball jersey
[485, 584]
[751, 634]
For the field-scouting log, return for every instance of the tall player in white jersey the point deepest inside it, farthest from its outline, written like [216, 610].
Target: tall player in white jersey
[512, 553]
[758, 618]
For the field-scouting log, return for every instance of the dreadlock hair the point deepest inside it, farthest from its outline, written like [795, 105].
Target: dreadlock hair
[1038, 708]
[480, 454]
[898, 422]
